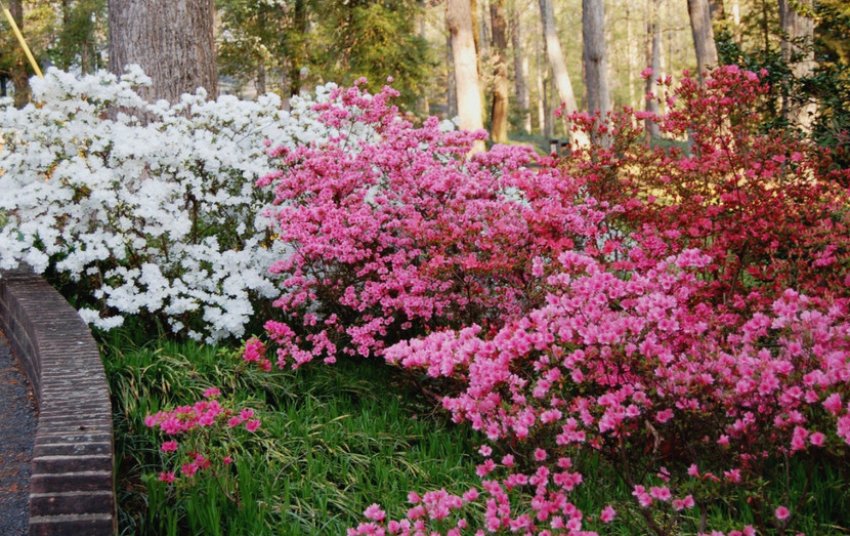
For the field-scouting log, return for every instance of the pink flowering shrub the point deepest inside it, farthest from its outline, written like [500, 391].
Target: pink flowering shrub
[403, 233]
[677, 318]
[201, 434]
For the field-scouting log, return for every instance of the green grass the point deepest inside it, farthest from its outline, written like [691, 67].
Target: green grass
[334, 439]
[337, 438]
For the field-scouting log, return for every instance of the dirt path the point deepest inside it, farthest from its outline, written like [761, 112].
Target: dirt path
[17, 431]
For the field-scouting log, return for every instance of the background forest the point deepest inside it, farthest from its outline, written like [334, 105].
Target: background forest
[290, 46]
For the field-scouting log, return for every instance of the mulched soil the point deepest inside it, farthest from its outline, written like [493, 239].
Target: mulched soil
[17, 431]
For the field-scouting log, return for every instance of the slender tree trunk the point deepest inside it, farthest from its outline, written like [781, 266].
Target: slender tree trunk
[451, 85]
[595, 61]
[19, 73]
[548, 112]
[501, 84]
[706, 50]
[653, 32]
[630, 50]
[260, 82]
[459, 20]
[540, 71]
[520, 70]
[797, 49]
[559, 66]
[422, 105]
[172, 42]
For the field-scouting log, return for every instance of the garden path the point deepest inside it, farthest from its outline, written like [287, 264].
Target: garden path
[17, 433]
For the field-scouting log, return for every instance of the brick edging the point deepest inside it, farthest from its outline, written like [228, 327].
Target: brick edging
[72, 488]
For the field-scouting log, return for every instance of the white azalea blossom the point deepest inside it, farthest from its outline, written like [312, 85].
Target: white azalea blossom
[154, 217]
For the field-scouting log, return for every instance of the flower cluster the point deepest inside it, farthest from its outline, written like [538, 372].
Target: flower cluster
[198, 427]
[148, 209]
[403, 233]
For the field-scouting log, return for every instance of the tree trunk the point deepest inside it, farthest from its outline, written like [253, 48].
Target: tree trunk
[501, 85]
[653, 32]
[520, 70]
[172, 42]
[798, 52]
[451, 85]
[541, 70]
[559, 66]
[706, 50]
[595, 61]
[459, 20]
[630, 44]
[19, 74]
[260, 82]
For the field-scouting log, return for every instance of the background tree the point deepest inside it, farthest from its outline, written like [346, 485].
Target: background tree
[560, 75]
[703, 34]
[520, 58]
[501, 84]
[459, 21]
[595, 61]
[172, 42]
[798, 30]
[77, 42]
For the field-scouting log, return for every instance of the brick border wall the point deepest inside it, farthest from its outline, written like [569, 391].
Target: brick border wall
[72, 487]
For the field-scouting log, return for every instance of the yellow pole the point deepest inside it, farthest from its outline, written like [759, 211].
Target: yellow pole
[22, 41]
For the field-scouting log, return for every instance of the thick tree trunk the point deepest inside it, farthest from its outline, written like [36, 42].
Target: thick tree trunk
[19, 73]
[706, 50]
[559, 66]
[459, 20]
[798, 52]
[501, 84]
[520, 70]
[595, 61]
[653, 33]
[172, 42]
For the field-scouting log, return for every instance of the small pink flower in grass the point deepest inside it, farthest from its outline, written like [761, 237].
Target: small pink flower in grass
[470, 495]
[167, 477]
[169, 446]
[233, 422]
[485, 450]
[212, 392]
[817, 439]
[252, 425]
[374, 513]
[189, 469]
[608, 514]
[540, 455]
[660, 493]
[782, 513]
[227, 460]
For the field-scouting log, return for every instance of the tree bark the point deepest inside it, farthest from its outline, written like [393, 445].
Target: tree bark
[653, 31]
[797, 49]
[501, 84]
[706, 50]
[520, 70]
[459, 20]
[559, 66]
[19, 74]
[595, 61]
[451, 85]
[172, 42]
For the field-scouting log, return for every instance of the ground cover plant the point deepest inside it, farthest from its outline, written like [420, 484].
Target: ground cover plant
[637, 339]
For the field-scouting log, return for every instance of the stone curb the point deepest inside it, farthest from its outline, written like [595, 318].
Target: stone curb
[72, 486]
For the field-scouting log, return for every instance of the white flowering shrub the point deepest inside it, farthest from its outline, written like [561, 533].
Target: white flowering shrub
[157, 217]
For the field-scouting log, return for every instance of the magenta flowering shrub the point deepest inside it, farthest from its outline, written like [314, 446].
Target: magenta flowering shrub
[637, 372]
[201, 435]
[404, 233]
